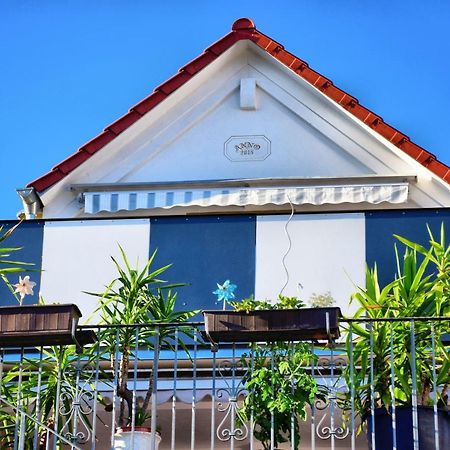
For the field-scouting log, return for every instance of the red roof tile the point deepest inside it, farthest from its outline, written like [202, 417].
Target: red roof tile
[242, 29]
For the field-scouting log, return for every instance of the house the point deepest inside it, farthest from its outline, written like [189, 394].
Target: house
[210, 165]
[246, 165]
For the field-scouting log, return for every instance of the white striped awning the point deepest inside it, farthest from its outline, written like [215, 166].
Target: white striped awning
[130, 200]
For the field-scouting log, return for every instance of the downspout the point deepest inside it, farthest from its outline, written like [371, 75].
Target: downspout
[32, 203]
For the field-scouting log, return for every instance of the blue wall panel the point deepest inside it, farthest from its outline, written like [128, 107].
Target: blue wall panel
[28, 235]
[206, 250]
[380, 227]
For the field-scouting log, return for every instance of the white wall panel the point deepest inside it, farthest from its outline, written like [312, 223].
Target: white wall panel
[327, 254]
[297, 148]
[77, 257]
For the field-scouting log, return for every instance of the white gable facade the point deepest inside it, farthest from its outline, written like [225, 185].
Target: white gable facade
[245, 123]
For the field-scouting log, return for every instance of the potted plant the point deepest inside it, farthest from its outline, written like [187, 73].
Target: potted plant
[385, 378]
[279, 391]
[321, 300]
[288, 320]
[8, 266]
[138, 297]
[278, 382]
[39, 324]
[56, 391]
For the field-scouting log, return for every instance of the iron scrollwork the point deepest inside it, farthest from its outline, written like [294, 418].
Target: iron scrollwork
[234, 391]
[330, 402]
[75, 404]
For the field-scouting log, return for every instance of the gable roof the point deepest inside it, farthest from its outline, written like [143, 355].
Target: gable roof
[242, 29]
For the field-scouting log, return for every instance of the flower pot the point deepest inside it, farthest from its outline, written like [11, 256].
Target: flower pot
[404, 428]
[272, 325]
[142, 439]
[35, 325]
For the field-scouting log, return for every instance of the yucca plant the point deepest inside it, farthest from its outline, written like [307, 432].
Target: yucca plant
[7, 265]
[10, 421]
[421, 289]
[140, 298]
[438, 255]
[47, 389]
[11, 266]
[56, 371]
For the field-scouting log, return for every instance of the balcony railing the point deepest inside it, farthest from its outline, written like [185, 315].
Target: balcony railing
[54, 397]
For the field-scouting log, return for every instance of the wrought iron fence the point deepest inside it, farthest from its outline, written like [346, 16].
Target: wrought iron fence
[380, 375]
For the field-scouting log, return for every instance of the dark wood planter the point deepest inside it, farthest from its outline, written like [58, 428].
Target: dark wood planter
[272, 325]
[36, 325]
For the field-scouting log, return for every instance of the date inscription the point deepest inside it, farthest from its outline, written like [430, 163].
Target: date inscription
[247, 148]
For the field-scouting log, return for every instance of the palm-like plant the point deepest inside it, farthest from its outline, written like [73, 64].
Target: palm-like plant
[388, 345]
[8, 266]
[438, 254]
[9, 420]
[54, 373]
[47, 389]
[135, 298]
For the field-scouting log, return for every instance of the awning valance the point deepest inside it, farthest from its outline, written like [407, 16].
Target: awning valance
[130, 200]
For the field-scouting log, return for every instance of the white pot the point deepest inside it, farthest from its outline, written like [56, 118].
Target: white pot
[142, 439]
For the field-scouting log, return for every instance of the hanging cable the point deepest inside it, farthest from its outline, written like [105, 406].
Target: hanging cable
[286, 232]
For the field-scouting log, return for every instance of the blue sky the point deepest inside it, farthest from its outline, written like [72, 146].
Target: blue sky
[69, 68]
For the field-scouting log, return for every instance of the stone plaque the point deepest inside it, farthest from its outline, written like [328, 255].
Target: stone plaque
[247, 148]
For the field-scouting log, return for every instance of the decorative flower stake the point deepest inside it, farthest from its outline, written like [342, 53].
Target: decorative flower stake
[225, 292]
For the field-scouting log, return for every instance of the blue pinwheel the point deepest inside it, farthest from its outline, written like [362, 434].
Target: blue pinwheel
[225, 292]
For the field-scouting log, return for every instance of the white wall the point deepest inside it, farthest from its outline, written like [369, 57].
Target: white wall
[327, 254]
[297, 149]
[77, 257]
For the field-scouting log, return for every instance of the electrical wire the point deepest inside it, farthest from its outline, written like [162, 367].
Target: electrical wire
[286, 232]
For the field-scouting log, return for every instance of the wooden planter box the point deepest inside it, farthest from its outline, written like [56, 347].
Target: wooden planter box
[36, 325]
[272, 325]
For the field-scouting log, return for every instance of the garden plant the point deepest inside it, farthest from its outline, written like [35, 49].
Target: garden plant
[133, 304]
[278, 381]
[44, 387]
[386, 353]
